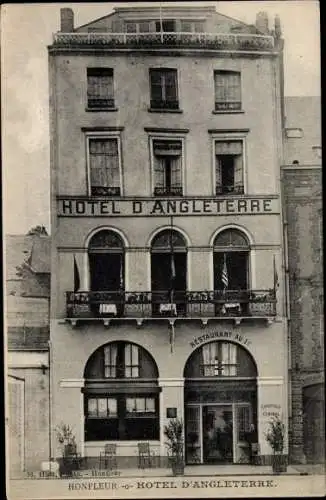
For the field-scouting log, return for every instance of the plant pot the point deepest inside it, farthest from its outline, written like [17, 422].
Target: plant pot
[279, 463]
[178, 466]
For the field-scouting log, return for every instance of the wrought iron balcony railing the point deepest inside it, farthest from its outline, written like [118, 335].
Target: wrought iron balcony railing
[218, 41]
[94, 102]
[105, 191]
[227, 106]
[183, 304]
[229, 189]
[168, 191]
[164, 104]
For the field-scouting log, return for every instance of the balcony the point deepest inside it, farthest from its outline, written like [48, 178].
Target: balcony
[229, 189]
[227, 106]
[158, 104]
[99, 103]
[105, 191]
[212, 41]
[139, 306]
[170, 191]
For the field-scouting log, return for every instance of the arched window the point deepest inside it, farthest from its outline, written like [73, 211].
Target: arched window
[231, 260]
[106, 267]
[220, 359]
[168, 271]
[121, 394]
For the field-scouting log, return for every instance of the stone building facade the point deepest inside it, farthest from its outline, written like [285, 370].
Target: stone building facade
[27, 265]
[302, 208]
[167, 291]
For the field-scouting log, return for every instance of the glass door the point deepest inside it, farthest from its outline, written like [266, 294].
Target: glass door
[193, 435]
[243, 418]
[218, 433]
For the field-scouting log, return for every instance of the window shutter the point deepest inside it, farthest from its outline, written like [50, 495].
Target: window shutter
[228, 147]
[176, 171]
[167, 148]
[238, 171]
[159, 172]
[218, 172]
[170, 79]
[156, 85]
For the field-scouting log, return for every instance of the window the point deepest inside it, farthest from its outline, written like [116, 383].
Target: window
[166, 25]
[125, 417]
[121, 361]
[219, 359]
[164, 89]
[227, 90]
[167, 167]
[117, 403]
[229, 167]
[100, 88]
[231, 261]
[192, 26]
[104, 166]
[138, 27]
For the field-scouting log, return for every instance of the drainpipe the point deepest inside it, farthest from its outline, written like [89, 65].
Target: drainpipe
[50, 400]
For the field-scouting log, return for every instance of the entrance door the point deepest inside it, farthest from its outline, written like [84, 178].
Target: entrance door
[217, 434]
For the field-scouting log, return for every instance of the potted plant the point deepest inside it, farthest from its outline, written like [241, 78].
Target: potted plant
[173, 432]
[275, 437]
[67, 442]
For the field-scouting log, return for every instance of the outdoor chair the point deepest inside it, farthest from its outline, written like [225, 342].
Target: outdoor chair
[108, 457]
[146, 458]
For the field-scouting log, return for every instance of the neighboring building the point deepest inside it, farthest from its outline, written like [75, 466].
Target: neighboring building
[167, 289]
[27, 263]
[302, 208]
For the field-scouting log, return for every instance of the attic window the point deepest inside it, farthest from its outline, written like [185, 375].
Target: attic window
[294, 133]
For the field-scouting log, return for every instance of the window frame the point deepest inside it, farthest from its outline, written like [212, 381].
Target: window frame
[164, 107]
[219, 364]
[103, 135]
[167, 137]
[224, 137]
[227, 109]
[101, 108]
[123, 415]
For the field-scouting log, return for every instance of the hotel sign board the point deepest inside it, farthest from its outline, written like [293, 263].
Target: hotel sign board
[90, 207]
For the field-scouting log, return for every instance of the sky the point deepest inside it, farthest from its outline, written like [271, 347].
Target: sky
[26, 30]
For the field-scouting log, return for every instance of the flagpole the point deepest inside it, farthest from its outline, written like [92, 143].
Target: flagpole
[172, 261]
[161, 22]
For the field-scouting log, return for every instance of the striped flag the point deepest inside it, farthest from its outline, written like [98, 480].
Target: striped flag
[224, 277]
[76, 276]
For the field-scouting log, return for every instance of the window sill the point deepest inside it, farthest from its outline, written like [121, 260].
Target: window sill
[101, 109]
[164, 110]
[227, 111]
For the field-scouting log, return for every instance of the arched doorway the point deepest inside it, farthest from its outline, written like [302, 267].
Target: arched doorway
[106, 271]
[220, 403]
[169, 272]
[121, 394]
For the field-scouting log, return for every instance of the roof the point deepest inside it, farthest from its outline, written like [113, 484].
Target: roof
[31, 248]
[222, 22]
[303, 116]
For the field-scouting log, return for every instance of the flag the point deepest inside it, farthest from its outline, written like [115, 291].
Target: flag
[172, 267]
[276, 283]
[76, 276]
[121, 273]
[224, 277]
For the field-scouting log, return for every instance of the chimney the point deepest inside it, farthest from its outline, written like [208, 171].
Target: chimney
[66, 20]
[262, 23]
[277, 25]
